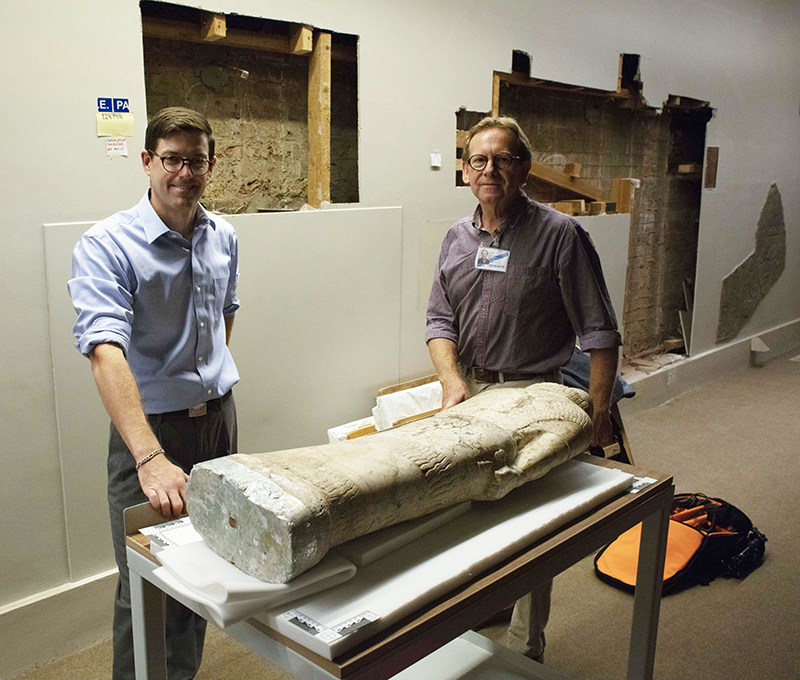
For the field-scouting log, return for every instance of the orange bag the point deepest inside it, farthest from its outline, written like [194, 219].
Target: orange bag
[707, 537]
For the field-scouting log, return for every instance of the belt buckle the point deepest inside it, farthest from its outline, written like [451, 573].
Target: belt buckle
[199, 410]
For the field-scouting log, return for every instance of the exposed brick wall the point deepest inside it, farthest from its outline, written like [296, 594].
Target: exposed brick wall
[260, 123]
[609, 141]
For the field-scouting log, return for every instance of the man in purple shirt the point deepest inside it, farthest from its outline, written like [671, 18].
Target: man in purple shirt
[155, 292]
[514, 321]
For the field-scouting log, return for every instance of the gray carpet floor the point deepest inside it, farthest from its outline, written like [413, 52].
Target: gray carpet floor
[736, 439]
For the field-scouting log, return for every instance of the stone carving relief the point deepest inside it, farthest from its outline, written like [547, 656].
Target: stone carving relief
[745, 287]
[274, 515]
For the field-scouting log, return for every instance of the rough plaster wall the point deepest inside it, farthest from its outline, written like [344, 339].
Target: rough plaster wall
[745, 287]
[610, 142]
[260, 122]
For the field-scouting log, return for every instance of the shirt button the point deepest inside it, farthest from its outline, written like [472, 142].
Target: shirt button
[202, 324]
[200, 358]
[209, 391]
[198, 289]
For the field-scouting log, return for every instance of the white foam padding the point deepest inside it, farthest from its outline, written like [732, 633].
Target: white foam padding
[405, 403]
[398, 584]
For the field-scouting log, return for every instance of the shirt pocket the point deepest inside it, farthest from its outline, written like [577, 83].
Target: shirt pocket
[528, 289]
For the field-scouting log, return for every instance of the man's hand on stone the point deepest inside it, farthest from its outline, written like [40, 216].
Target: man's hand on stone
[454, 392]
[164, 484]
[602, 430]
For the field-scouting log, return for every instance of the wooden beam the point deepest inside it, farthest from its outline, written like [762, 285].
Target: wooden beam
[560, 179]
[249, 40]
[319, 121]
[496, 78]
[622, 193]
[302, 40]
[213, 28]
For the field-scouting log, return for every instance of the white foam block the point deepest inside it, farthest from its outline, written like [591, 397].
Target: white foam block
[398, 584]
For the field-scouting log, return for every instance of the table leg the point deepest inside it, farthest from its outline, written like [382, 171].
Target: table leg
[647, 598]
[149, 643]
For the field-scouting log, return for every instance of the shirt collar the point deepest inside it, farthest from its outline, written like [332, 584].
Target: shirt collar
[511, 218]
[155, 227]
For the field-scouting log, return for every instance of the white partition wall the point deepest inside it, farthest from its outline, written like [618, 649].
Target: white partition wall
[316, 336]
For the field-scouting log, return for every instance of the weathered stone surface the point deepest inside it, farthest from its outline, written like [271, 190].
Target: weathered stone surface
[277, 514]
[745, 287]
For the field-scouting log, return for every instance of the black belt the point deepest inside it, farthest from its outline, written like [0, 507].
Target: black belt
[200, 410]
[487, 376]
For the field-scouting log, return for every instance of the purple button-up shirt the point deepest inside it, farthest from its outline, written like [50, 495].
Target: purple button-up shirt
[523, 320]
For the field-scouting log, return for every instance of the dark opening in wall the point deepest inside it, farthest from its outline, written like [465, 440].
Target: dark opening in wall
[612, 135]
[253, 83]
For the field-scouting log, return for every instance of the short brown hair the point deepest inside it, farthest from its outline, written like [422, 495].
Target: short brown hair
[177, 119]
[524, 150]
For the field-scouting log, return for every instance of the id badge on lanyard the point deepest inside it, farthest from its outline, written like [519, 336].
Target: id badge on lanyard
[491, 259]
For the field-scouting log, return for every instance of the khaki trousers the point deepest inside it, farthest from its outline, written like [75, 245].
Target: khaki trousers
[526, 631]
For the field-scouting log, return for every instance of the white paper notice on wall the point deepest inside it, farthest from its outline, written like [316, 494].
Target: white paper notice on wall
[116, 146]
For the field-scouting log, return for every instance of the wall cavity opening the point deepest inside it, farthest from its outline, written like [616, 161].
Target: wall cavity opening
[282, 100]
[600, 151]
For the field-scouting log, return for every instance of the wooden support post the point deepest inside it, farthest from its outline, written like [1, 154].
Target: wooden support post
[302, 40]
[622, 194]
[319, 121]
[496, 79]
[214, 27]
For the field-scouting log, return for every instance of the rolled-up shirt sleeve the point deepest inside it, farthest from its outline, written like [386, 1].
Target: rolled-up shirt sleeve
[440, 319]
[584, 293]
[231, 304]
[101, 292]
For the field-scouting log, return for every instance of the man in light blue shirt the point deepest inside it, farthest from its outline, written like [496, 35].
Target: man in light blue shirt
[155, 292]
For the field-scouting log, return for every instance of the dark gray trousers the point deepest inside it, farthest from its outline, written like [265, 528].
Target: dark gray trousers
[186, 441]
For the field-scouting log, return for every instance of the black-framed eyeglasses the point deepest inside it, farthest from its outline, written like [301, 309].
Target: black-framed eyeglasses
[501, 161]
[173, 163]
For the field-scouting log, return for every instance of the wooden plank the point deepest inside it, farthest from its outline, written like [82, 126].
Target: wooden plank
[712, 159]
[622, 193]
[407, 385]
[302, 40]
[181, 30]
[369, 428]
[597, 207]
[418, 416]
[250, 40]
[319, 121]
[213, 28]
[571, 207]
[495, 94]
[689, 168]
[560, 179]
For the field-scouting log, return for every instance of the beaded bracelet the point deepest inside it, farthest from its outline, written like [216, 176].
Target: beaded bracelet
[149, 456]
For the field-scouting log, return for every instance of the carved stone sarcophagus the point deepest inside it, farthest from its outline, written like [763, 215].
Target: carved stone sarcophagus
[274, 515]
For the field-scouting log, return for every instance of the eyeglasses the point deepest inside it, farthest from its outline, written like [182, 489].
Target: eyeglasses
[501, 161]
[173, 163]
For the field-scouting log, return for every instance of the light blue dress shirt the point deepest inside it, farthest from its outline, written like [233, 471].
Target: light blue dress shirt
[143, 286]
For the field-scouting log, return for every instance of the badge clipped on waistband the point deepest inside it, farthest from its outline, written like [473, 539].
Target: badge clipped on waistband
[491, 259]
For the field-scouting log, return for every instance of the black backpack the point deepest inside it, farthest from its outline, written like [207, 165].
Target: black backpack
[707, 538]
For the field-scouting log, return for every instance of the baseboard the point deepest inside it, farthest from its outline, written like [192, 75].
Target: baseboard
[54, 623]
[675, 379]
